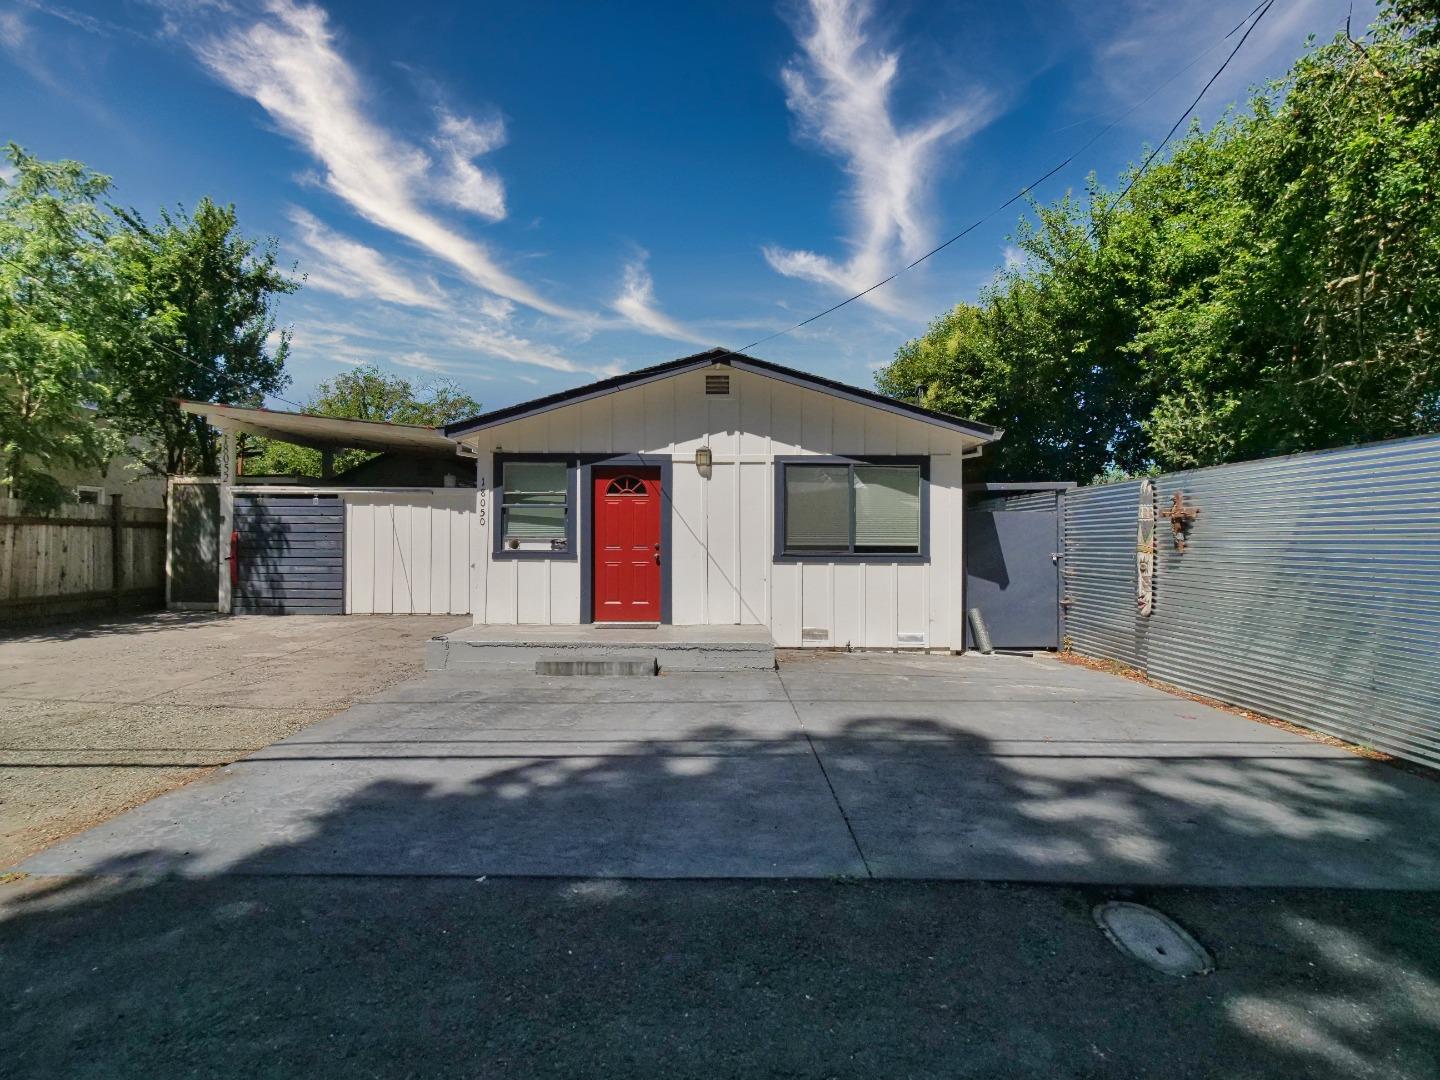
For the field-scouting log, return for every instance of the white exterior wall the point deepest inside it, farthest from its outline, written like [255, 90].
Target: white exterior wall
[410, 552]
[722, 529]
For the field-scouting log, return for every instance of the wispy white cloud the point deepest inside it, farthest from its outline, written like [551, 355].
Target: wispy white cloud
[419, 361]
[348, 268]
[507, 346]
[1013, 256]
[287, 60]
[839, 89]
[637, 303]
[63, 66]
[14, 30]
[456, 337]
[1137, 45]
[463, 184]
[17, 38]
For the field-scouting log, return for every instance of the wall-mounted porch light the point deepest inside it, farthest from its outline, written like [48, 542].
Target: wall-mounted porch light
[703, 460]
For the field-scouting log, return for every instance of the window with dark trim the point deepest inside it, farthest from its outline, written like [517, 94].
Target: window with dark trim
[535, 506]
[852, 508]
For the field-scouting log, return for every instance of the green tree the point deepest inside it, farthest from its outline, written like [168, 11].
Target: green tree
[55, 285]
[1270, 285]
[1311, 320]
[365, 393]
[1037, 355]
[198, 299]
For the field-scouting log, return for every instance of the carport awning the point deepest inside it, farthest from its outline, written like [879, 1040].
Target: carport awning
[323, 432]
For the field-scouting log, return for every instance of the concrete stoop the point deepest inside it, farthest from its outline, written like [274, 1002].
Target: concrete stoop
[589, 650]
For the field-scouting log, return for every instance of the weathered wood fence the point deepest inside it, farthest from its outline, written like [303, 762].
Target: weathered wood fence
[79, 559]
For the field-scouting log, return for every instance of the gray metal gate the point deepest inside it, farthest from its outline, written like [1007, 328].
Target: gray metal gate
[193, 542]
[291, 555]
[1012, 553]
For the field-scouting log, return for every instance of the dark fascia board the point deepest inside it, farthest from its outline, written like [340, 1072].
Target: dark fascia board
[1025, 485]
[578, 394]
[723, 358]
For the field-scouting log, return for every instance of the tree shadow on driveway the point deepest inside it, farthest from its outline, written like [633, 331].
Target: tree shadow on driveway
[320, 977]
[467, 794]
[320, 944]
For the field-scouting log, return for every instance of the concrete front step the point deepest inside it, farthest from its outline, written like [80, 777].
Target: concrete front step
[670, 648]
[599, 665]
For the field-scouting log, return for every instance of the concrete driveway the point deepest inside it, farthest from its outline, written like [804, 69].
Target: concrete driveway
[1000, 768]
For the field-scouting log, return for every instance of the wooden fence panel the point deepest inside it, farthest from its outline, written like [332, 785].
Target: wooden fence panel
[64, 563]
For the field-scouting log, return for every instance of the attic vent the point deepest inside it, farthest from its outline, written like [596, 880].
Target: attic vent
[717, 385]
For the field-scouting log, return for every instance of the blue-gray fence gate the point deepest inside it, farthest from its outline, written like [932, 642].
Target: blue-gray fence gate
[1012, 550]
[291, 555]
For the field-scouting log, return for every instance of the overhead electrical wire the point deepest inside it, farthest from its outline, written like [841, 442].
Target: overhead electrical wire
[1263, 10]
[1249, 22]
[1252, 19]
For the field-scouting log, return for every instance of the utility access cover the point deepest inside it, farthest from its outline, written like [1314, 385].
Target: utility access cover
[1152, 938]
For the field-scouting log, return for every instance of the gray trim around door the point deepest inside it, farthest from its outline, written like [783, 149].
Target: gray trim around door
[587, 525]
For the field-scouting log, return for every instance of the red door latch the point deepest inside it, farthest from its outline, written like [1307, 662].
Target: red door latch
[234, 558]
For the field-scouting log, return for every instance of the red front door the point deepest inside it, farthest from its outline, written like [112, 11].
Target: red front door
[627, 544]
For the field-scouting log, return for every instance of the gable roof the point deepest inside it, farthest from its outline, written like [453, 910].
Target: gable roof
[721, 358]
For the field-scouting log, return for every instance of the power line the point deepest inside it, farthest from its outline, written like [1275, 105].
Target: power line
[1253, 18]
[1263, 9]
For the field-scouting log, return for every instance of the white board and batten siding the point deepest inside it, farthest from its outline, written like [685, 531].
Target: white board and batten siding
[722, 529]
[410, 552]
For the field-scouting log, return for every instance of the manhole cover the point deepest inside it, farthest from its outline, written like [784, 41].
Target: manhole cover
[1153, 939]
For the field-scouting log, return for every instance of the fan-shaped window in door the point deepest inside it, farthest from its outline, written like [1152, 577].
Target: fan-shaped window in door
[626, 485]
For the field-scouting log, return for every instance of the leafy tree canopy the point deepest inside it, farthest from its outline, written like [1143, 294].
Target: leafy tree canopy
[1270, 285]
[198, 299]
[365, 393]
[55, 282]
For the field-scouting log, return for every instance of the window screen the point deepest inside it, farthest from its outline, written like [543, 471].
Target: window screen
[536, 500]
[852, 509]
[817, 507]
[887, 507]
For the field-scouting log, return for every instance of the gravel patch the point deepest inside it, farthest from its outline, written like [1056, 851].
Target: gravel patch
[98, 717]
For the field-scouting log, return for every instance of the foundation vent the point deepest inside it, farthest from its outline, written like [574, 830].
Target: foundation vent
[917, 638]
[814, 633]
[717, 385]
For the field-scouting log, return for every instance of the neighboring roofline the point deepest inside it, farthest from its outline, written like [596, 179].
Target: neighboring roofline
[202, 408]
[723, 358]
[322, 432]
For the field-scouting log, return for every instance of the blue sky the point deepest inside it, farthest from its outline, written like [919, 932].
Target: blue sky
[524, 197]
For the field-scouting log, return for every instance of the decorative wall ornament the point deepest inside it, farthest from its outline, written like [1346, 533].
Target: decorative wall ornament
[1145, 550]
[1181, 517]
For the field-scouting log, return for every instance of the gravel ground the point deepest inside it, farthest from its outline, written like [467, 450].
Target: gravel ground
[100, 716]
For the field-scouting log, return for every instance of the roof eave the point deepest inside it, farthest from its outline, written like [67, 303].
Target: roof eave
[982, 433]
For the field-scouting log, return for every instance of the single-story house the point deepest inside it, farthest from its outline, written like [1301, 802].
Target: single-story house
[716, 489]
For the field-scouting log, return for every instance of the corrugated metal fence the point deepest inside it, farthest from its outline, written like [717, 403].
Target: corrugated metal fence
[1309, 589]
